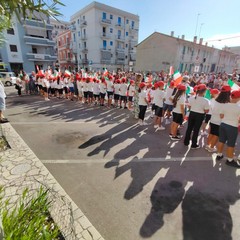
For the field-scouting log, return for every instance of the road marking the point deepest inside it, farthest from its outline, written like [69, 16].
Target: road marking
[135, 160]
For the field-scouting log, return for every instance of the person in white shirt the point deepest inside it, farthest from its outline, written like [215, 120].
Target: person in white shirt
[85, 90]
[59, 86]
[79, 87]
[116, 92]
[215, 121]
[131, 91]
[110, 89]
[142, 102]
[228, 131]
[123, 93]
[103, 91]
[96, 91]
[159, 96]
[168, 105]
[90, 90]
[178, 111]
[199, 106]
[2, 103]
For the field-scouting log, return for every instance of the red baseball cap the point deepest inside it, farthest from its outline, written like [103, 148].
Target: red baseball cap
[214, 91]
[201, 87]
[226, 88]
[181, 87]
[156, 85]
[142, 85]
[172, 84]
[160, 84]
[235, 94]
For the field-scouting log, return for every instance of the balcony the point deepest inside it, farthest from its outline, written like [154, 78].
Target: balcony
[84, 37]
[38, 41]
[120, 50]
[105, 50]
[105, 35]
[40, 57]
[120, 38]
[83, 23]
[73, 28]
[85, 50]
[73, 46]
[133, 30]
[85, 61]
[120, 61]
[39, 24]
[105, 61]
[106, 21]
[120, 25]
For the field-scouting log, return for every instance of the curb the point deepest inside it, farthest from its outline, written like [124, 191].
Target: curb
[20, 161]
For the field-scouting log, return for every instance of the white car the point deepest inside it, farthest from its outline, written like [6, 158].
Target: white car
[8, 78]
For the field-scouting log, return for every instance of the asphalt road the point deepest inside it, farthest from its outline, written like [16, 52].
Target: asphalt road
[131, 181]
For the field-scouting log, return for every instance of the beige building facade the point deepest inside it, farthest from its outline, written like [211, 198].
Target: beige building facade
[160, 51]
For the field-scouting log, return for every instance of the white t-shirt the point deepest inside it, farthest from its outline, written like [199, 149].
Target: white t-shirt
[117, 88]
[181, 101]
[90, 87]
[103, 88]
[216, 110]
[141, 98]
[231, 113]
[198, 104]
[84, 87]
[96, 88]
[131, 91]
[123, 89]
[79, 85]
[159, 95]
[169, 92]
[212, 101]
[109, 86]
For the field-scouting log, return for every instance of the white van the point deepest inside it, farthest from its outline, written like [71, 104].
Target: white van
[8, 78]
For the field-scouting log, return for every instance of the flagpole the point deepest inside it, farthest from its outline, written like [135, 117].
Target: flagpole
[197, 24]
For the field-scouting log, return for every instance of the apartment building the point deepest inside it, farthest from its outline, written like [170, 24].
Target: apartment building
[28, 44]
[160, 51]
[66, 58]
[104, 37]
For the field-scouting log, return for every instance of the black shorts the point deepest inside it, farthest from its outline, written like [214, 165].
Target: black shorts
[110, 94]
[85, 94]
[130, 98]
[102, 95]
[177, 118]
[66, 90]
[60, 91]
[90, 94]
[45, 89]
[96, 96]
[40, 87]
[123, 98]
[52, 90]
[207, 118]
[158, 111]
[116, 97]
[214, 129]
[228, 134]
[153, 107]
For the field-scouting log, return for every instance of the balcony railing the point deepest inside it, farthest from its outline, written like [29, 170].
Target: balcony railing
[83, 23]
[120, 50]
[106, 21]
[121, 25]
[106, 61]
[83, 37]
[38, 41]
[85, 50]
[105, 35]
[118, 61]
[40, 57]
[35, 23]
[85, 61]
[106, 49]
[120, 38]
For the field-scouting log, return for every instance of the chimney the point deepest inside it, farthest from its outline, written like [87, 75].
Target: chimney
[183, 37]
[200, 41]
[206, 43]
[195, 39]
[172, 33]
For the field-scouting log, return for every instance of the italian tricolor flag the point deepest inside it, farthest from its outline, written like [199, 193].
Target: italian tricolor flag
[177, 78]
[67, 73]
[233, 85]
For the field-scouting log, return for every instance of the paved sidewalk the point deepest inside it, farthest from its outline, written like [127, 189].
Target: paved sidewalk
[20, 162]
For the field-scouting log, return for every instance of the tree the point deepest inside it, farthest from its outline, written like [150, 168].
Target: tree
[25, 9]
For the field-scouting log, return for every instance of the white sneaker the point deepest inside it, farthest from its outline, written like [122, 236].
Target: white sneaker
[212, 149]
[140, 122]
[204, 133]
[161, 128]
[47, 99]
[144, 123]
[155, 126]
[167, 121]
[207, 148]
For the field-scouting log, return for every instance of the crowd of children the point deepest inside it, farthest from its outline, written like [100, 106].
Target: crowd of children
[188, 99]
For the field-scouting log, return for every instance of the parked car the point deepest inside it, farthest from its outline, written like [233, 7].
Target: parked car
[8, 78]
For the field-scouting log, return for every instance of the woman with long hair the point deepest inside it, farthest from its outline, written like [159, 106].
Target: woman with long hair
[199, 106]
[215, 121]
[178, 110]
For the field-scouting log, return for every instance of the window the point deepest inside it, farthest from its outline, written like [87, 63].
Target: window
[74, 37]
[111, 43]
[126, 45]
[80, 57]
[126, 56]
[111, 30]
[127, 21]
[133, 23]
[119, 20]
[79, 45]
[78, 21]
[104, 44]
[83, 17]
[13, 48]
[85, 44]
[119, 33]
[10, 31]
[126, 33]
[104, 15]
[34, 50]
[111, 16]
[79, 33]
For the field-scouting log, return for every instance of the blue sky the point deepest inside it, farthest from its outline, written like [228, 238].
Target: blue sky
[217, 19]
